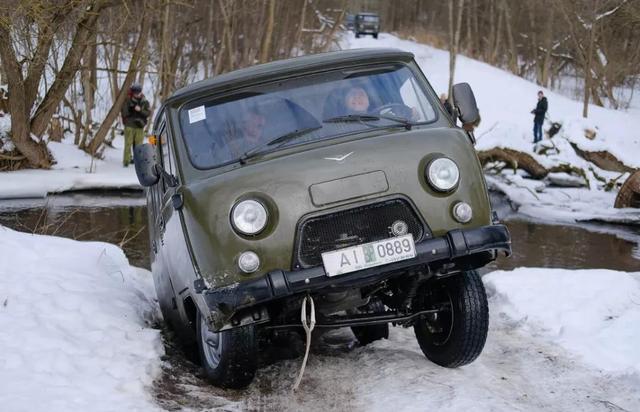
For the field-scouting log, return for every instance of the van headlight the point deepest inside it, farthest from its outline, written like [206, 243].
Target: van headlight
[249, 217]
[443, 174]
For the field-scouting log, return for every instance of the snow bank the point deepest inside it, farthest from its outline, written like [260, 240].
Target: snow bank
[592, 313]
[74, 170]
[75, 327]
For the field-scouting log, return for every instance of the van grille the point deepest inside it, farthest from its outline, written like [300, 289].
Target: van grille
[350, 227]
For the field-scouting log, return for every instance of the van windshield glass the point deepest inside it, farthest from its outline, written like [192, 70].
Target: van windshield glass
[221, 131]
[371, 19]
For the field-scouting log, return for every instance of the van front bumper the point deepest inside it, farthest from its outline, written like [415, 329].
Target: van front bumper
[456, 245]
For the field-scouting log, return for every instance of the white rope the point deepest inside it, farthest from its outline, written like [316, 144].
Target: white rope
[308, 325]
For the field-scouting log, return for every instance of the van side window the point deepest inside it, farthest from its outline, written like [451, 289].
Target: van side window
[166, 155]
[165, 149]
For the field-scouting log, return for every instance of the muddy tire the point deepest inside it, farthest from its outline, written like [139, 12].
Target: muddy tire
[456, 335]
[357, 35]
[375, 36]
[229, 358]
[371, 333]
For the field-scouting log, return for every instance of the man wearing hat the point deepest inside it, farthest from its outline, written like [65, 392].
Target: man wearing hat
[135, 112]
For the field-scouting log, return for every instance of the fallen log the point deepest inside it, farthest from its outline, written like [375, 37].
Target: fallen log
[629, 194]
[515, 159]
[603, 159]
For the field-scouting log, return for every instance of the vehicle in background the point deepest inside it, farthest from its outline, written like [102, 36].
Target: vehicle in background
[367, 23]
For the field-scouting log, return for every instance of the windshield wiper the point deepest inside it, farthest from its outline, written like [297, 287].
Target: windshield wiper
[369, 117]
[277, 141]
[351, 118]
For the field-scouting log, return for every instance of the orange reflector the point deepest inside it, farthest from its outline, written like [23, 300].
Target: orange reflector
[152, 139]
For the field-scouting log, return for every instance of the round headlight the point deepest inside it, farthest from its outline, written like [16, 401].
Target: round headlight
[443, 174]
[249, 217]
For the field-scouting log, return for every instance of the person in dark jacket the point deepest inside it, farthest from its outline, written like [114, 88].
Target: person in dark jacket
[539, 112]
[135, 112]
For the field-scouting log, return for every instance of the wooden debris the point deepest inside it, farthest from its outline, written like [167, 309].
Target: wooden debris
[629, 194]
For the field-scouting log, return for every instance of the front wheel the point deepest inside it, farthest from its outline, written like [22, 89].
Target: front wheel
[229, 358]
[454, 335]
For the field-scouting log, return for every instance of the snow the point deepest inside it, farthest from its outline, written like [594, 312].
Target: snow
[74, 170]
[505, 103]
[591, 313]
[75, 321]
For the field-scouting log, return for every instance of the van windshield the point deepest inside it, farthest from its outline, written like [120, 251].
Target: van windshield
[310, 108]
[370, 19]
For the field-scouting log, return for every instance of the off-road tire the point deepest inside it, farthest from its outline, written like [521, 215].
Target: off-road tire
[375, 36]
[371, 333]
[465, 325]
[357, 35]
[238, 358]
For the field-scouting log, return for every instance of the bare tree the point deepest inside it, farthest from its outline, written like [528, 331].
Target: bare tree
[113, 113]
[23, 90]
[454, 40]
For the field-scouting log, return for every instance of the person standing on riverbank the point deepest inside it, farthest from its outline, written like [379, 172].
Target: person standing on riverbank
[135, 112]
[539, 112]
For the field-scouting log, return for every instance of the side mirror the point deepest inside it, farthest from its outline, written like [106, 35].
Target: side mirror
[144, 157]
[465, 102]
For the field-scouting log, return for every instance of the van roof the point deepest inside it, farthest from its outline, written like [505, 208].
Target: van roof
[286, 68]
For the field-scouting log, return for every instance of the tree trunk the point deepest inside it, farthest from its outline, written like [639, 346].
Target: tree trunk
[113, 113]
[454, 40]
[36, 153]
[298, 43]
[513, 52]
[587, 70]
[88, 76]
[266, 45]
[85, 29]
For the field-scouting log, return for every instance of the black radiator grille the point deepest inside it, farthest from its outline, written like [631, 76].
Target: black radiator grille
[351, 227]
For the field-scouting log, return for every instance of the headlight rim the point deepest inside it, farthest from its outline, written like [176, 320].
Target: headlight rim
[435, 187]
[245, 233]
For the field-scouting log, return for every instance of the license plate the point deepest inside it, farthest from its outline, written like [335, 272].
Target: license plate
[382, 252]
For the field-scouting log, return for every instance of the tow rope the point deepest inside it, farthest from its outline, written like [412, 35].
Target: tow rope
[308, 325]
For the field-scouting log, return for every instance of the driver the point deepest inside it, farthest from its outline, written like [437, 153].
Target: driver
[253, 127]
[249, 132]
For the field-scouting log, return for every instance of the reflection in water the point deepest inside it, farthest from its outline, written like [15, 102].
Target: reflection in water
[124, 224]
[569, 247]
[123, 220]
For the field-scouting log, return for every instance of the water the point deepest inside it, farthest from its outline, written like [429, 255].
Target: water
[121, 218]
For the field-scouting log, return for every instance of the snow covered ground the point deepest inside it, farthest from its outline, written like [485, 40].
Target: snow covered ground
[505, 103]
[75, 327]
[74, 170]
[76, 336]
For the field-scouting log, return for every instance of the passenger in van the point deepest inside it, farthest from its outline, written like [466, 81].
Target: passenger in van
[356, 100]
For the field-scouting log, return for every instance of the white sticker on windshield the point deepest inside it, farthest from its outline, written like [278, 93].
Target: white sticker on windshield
[196, 114]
